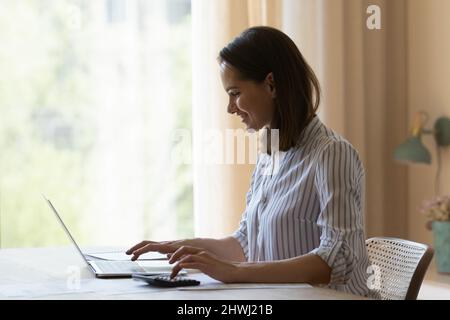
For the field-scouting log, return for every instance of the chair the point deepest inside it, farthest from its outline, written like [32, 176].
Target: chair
[401, 266]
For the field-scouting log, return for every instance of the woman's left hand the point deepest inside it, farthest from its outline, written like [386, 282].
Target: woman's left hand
[197, 258]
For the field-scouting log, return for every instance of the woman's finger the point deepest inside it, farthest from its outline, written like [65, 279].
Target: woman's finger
[182, 251]
[144, 243]
[187, 265]
[187, 260]
[137, 246]
[154, 246]
[201, 258]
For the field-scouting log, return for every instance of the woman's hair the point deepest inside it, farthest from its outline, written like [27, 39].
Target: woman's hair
[259, 51]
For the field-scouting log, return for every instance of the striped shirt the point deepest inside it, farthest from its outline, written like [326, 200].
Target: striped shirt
[313, 203]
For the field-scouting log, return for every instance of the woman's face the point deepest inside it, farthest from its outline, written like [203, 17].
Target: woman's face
[253, 102]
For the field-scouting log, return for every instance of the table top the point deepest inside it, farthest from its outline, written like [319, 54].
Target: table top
[60, 273]
[435, 285]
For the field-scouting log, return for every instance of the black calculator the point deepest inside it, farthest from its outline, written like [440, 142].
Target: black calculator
[165, 280]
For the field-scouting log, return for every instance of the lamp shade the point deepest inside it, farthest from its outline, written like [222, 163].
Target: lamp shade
[412, 150]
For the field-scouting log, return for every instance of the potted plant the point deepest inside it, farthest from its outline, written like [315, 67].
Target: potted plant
[437, 212]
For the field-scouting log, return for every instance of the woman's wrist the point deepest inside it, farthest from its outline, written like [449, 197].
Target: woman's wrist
[192, 242]
[241, 272]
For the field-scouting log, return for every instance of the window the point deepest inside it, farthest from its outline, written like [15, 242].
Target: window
[90, 95]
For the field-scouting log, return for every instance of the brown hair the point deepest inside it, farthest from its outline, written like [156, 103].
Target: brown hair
[258, 51]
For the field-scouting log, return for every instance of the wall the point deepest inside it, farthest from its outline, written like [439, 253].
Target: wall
[428, 65]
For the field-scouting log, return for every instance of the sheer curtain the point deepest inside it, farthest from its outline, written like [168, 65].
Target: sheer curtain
[91, 93]
[362, 73]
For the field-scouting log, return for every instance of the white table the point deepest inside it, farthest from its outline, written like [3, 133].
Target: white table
[51, 273]
[435, 286]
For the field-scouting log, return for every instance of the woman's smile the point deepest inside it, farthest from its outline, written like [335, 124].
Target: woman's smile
[252, 101]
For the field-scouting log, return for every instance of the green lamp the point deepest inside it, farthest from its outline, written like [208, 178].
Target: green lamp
[413, 150]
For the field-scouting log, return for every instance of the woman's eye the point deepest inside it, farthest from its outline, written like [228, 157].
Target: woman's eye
[234, 94]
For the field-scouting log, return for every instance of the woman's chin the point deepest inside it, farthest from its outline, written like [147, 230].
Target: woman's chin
[249, 128]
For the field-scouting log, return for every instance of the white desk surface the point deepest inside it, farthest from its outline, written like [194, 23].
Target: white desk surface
[49, 273]
[435, 285]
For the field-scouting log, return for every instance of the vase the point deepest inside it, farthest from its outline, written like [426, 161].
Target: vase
[441, 232]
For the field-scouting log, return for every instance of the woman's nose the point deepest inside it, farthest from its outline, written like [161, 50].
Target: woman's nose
[231, 108]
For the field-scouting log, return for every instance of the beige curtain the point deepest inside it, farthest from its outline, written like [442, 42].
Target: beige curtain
[362, 73]
[219, 189]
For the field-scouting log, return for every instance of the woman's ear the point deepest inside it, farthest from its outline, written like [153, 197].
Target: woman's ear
[270, 82]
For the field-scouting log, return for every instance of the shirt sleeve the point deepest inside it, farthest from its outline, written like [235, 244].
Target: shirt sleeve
[339, 184]
[241, 234]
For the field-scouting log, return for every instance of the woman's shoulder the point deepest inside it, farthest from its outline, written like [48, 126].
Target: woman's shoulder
[331, 141]
[316, 133]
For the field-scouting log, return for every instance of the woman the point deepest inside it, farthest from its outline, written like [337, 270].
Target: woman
[303, 223]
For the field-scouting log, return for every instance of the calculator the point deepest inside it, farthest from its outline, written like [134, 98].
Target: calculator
[165, 280]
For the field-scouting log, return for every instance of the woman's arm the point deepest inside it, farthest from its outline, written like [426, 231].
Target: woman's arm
[308, 268]
[226, 248]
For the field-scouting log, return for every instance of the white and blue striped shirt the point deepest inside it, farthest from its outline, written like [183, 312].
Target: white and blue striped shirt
[312, 204]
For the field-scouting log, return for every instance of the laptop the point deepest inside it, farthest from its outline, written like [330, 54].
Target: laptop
[121, 268]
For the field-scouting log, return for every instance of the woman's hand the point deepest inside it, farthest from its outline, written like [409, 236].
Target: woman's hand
[161, 247]
[197, 258]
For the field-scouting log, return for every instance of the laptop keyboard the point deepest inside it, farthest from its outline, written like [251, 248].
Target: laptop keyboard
[119, 266]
